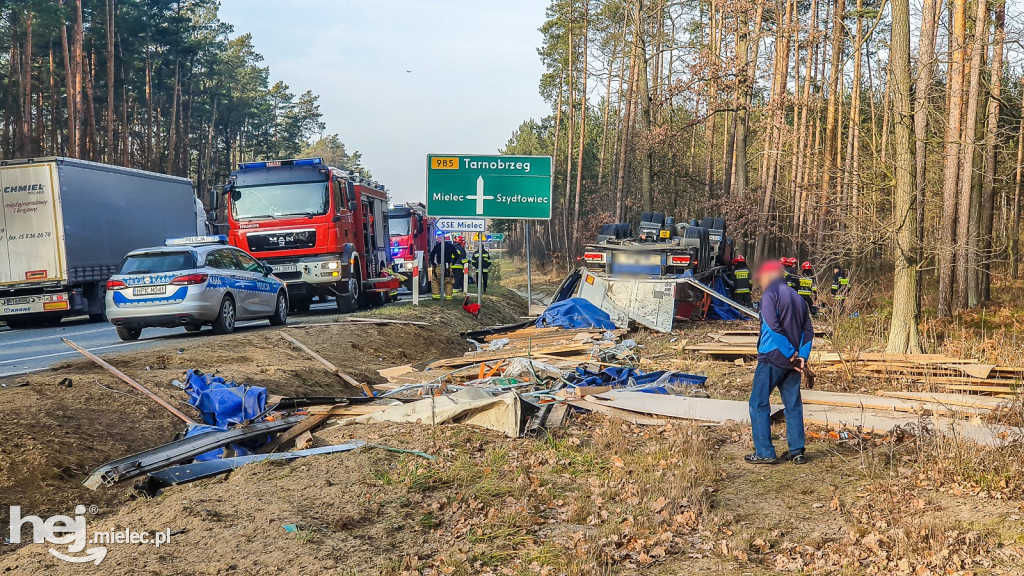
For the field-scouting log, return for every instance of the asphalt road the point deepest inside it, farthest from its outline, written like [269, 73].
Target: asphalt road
[35, 349]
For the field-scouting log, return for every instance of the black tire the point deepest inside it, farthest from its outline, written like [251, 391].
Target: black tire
[299, 306]
[280, 317]
[225, 322]
[18, 324]
[128, 334]
[101, 317]
[193, 327]
[349, 302]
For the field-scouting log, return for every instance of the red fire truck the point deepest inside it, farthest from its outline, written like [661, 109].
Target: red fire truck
[411, 231]
[323, 230]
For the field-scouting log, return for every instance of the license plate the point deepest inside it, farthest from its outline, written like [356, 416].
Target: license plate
[16, 301]
[147, 290]
[285, 268]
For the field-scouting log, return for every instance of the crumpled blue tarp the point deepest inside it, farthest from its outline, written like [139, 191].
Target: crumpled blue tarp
[621, 377]
[224, 403]
[720, 310]
[575, 313]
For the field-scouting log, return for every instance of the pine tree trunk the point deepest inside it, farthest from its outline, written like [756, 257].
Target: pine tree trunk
[26, 70]
[951, 160]
[930, 11]
[966, 216]
[903, 330]
[991, 132]
[78, 71]
[572, 249]
[1015, 210]
[110, 82]
[830, 185]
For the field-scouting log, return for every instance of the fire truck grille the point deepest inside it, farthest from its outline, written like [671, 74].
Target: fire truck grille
[290, 240]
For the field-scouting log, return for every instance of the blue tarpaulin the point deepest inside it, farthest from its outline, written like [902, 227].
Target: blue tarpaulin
[223, 403]
[620, 377]
[575, 313]
[720, 310]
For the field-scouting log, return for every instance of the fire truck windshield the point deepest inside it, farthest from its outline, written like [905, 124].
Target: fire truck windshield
[399, 224]
[280, 200]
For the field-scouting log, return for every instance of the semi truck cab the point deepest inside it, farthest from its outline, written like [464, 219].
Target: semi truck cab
[411, 231]
[323, 230]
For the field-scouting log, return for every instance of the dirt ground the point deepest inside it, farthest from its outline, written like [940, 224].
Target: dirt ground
[595, 496]
[53, 434]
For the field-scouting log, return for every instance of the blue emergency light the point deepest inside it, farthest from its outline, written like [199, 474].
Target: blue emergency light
[194, 240]
[279, 163]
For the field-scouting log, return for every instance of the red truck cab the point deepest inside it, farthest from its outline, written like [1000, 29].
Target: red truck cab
[323, 230]
[411, 231]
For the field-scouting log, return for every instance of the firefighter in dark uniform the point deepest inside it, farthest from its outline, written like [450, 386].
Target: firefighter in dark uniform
[840, 286]
[806, 286]
[485, 267]
[458, 265]
[441, 273]
[740, 277]
[789, 269]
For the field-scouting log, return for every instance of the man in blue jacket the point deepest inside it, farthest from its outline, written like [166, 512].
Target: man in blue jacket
[782, 351]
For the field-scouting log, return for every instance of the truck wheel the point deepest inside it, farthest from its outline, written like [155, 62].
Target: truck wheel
[225, 322]
[128, 334]
[18, 324]
[349, 302]
[280, 317]
[101, 317]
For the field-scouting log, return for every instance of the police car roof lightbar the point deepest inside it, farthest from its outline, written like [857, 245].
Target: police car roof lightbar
[193, 240]
[278, 163]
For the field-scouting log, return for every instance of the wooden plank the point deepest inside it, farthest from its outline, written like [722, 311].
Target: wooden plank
[127, 380]
[883, 403]
[477, 357]
[947, 399]
[975, 388]
[616, 413]
[308, 423]
[367, 389]
[974, 370]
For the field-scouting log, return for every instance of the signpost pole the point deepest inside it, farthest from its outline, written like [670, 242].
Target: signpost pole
[529, 280]
[444, 271]
[480, 267]
[417, 269]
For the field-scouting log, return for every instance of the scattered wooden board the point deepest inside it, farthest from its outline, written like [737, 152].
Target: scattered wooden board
[948, 399]
[883, 403]
[685, 407]
[617, 413]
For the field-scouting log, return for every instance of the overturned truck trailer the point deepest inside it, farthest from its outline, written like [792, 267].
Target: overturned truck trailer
[652, 301]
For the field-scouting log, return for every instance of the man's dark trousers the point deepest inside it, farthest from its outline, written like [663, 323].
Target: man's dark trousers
[767, 378]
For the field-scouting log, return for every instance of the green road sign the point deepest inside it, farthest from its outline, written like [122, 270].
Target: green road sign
[514, 187]
[498, 237]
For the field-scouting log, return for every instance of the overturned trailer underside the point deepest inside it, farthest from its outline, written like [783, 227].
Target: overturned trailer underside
[651, 301]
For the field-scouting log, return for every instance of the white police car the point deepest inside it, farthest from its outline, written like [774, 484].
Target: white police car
[191, 282]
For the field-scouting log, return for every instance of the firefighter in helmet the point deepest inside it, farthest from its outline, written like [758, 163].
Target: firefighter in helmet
[789, 269]
[840, 286]
[460, 258]
[740, 277]
[441, 272]
[485, 267]
[807, 286]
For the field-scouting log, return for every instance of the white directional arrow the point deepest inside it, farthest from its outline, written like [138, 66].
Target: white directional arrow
[480, 195]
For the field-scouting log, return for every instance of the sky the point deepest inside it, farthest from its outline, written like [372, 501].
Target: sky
[400, 79]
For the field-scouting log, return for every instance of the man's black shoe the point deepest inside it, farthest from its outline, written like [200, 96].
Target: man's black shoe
[755, 459]
[797, 458]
